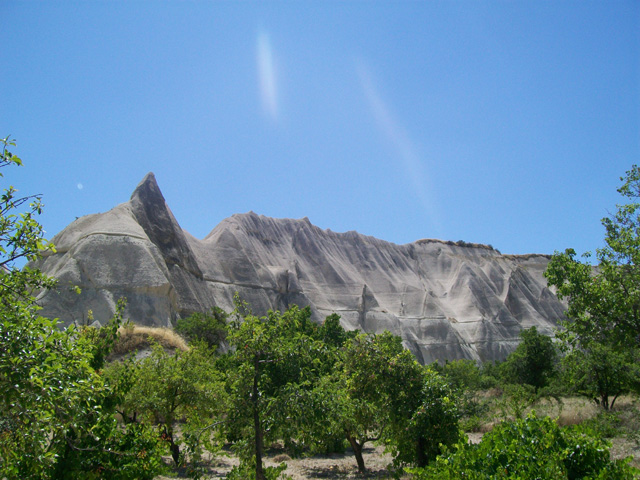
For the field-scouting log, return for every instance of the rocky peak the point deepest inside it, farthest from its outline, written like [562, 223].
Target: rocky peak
[154, 216]
[446, 300]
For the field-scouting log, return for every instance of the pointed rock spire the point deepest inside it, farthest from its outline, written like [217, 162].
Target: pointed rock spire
[155, 217]
[148, 190]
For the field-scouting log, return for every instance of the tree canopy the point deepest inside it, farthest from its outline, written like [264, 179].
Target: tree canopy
[604, 303]
[56, 410]
[602, 328]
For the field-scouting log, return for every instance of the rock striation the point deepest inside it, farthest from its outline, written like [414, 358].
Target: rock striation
[446, 300]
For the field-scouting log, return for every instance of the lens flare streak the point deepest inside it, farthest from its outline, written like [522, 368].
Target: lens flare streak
[267, 76]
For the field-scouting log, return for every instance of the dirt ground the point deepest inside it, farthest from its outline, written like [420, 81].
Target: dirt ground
[343, 466]
[334, 466]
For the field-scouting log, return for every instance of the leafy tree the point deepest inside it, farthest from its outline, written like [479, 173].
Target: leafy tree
[363, 390]
[425, 423]
[378, 392]
[333, 334]
[272, 359]
[208, 327]
[317, 407]
[96, 445]
[602, 373]
[55, 416]
[462, 374]
[602, 329]
[466, 378]
[533, 362]
[166, 388]
[604, 304]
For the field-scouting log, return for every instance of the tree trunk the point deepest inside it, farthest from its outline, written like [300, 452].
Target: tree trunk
[421, 455]
[614, 400]
[175, 452]
[174, 448]
[256, 424]
[357, 451]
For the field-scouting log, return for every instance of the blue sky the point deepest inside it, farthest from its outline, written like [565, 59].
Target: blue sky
[505, 123]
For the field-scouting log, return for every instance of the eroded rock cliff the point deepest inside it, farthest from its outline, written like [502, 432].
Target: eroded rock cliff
[444, 299]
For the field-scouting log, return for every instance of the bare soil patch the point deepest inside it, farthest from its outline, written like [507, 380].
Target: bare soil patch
[334, 466]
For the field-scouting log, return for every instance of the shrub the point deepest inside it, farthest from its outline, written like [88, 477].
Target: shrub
[208, 327]
[529, 448]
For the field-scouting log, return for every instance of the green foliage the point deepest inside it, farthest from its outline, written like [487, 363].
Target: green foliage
[56, 419]
[100, 341]
[373, 366]
[601, 372]
[112, 451]
[207, 327]
[533, 362]
[605, 304]
[20, 233]
[379, 392]
[606, 424]
[429, 423]
[273, 360]
[529, 448]
[462, 374]
[246, 471]
[516, 399]
[166, 388]
[466, 379]
[332, 333]
[602, 330]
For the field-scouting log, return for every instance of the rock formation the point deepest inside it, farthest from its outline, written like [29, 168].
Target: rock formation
[446, 300]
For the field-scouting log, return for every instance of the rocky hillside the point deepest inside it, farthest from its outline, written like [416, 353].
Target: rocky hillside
[446, 300]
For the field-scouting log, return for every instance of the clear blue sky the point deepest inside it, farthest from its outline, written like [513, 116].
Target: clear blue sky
[503, 122]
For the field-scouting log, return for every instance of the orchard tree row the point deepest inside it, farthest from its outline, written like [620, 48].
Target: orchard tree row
[286, 379]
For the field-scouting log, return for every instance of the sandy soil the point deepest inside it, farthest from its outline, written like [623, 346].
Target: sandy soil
[343, 466]
[334, 466]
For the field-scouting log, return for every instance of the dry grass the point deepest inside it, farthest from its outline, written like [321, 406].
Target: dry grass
[138, 338]
[625, 441]
[569, 411]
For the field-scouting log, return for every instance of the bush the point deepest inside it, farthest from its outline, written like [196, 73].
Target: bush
[529, 448]
[208, 327]
[246, 471]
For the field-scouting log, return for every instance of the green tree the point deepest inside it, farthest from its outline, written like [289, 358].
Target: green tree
[54, 407]
[167, 388]
[368, 364]
[604, 303]
[602, 373]
[378, 392]
[534, 361]
[466, 378]
[209, 327]
[272, 360]
[425, 422]
[602, 328]
[462, 374]
[95, 443]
